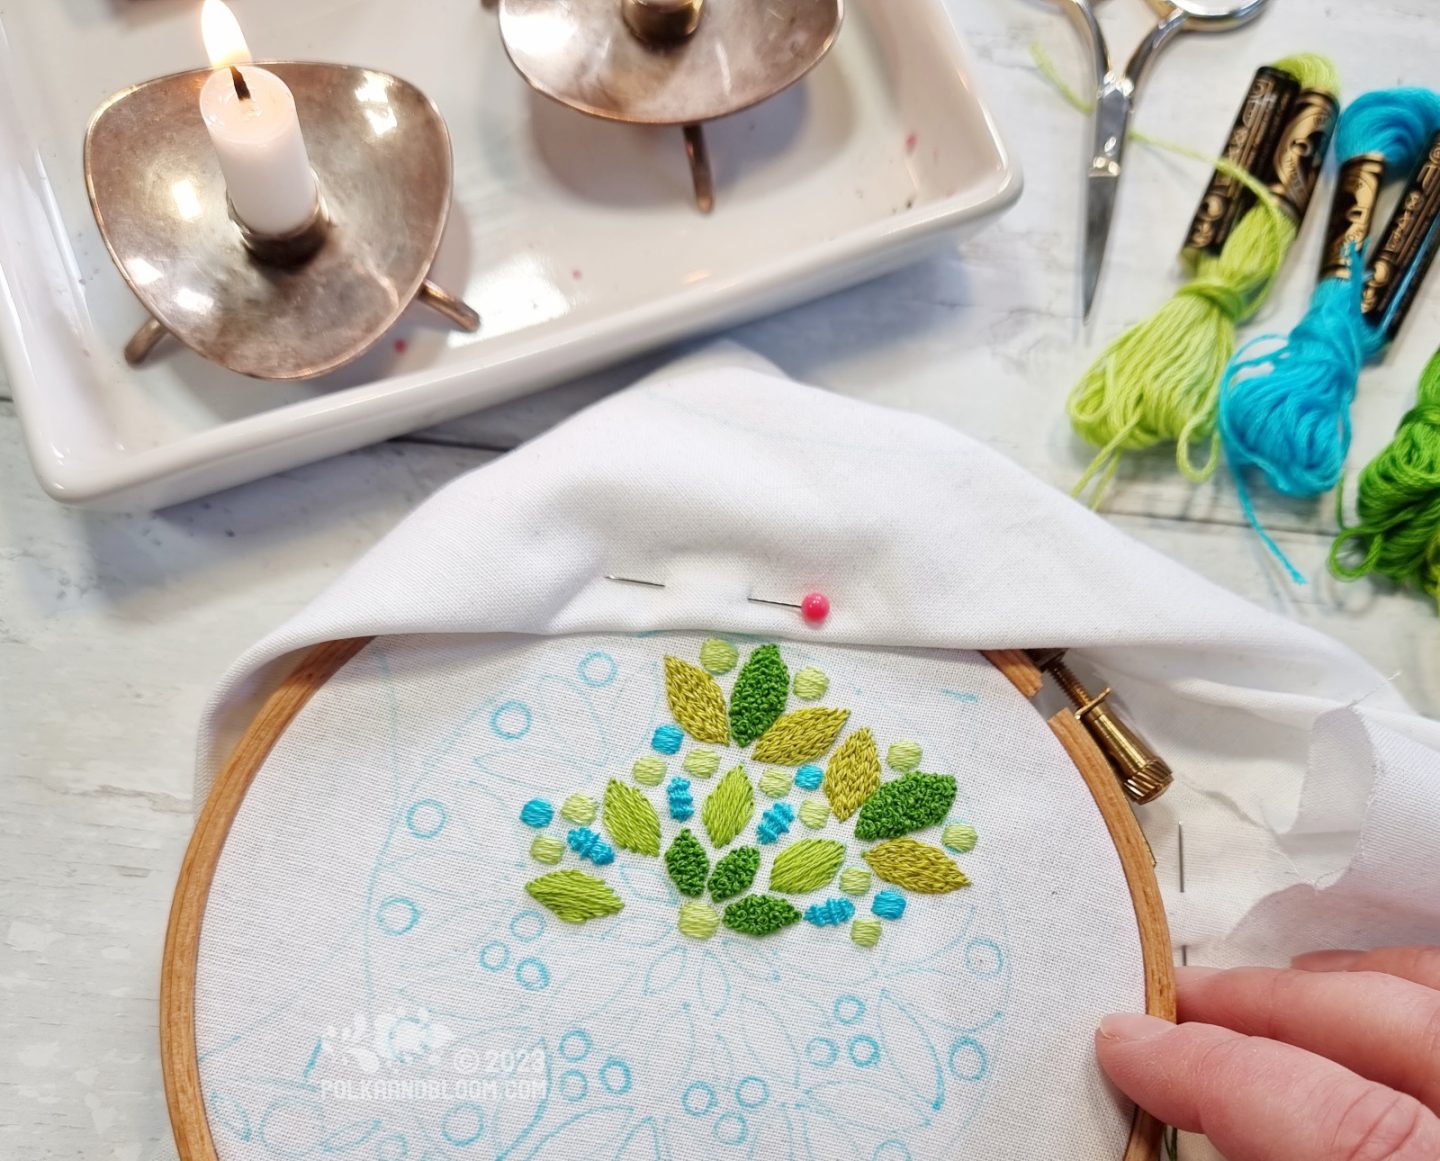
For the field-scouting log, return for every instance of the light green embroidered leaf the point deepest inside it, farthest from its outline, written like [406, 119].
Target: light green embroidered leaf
[802, 736]
[853, 774]
[696, 702]
[907, 804]
[574, 896]
[630, 819]
[806, 866]
[729, 807]
[734, 873]
[921, 868]
[759, 694]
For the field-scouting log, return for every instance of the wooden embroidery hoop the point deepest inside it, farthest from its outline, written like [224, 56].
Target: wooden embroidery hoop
[179, 1058]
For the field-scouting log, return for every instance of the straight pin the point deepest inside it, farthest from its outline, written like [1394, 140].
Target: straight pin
[1180, 850]
[631, 580]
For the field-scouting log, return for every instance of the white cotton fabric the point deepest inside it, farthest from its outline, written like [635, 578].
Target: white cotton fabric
[1309, 792]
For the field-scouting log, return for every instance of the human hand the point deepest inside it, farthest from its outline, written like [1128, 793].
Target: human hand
[1337, 1059]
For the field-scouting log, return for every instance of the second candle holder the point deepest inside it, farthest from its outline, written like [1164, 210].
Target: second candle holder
[381, 152]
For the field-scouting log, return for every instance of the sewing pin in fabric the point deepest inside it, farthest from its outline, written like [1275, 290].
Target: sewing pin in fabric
[1180, 856]
[630, 580]
[814, 607]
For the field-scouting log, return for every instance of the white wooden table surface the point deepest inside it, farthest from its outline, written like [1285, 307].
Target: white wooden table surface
[113, 628]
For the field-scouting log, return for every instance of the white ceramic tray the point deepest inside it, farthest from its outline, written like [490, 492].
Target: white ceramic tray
[575, 239]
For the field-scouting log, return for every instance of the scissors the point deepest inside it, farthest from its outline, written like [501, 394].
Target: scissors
[1115, 101]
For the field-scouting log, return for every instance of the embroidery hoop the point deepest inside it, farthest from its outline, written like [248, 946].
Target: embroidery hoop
[179, 1058]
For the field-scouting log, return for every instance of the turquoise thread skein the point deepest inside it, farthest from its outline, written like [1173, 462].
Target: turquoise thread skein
[1286, 411]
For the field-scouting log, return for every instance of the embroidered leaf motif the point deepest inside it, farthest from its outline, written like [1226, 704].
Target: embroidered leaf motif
[574, 896]
[688, 864]
[908, 804]
[806, 866]
[759, 694]
[696, 702]
[734, 873]
[760, 915]
[728, 809]
[853, 774]
[631, 820]
[801, 737]
[922, 868]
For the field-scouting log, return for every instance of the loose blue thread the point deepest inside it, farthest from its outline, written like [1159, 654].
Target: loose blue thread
[682, 801]
[831, 913]
[809, 777]
[667, 739]
[537, 813]
[589, 845]
[888, 905]
[775, 822]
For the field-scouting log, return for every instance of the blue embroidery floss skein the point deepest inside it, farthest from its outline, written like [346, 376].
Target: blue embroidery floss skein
[1286, 411]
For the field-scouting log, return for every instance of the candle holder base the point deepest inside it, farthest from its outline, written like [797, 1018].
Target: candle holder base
[288, 308]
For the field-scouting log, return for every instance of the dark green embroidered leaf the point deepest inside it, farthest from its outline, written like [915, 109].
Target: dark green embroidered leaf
[759, 694]
[760, 915]
[688, 864]
[907, 804]
[734, 873]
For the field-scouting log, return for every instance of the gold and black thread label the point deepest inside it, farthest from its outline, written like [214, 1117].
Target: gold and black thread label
[1407, 246]
[1252, 141]
[1351, 213]
[1300, 150]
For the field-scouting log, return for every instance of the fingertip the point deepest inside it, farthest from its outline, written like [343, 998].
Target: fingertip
[1126, 1027]
[1337, 960]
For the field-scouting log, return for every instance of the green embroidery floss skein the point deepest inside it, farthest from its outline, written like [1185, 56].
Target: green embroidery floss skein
[1159, 382]
[1397, 528]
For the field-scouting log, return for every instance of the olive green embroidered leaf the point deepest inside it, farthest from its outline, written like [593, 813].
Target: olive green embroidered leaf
[696, 702]
[574, 896]
[908, 804]
[921, 868]
[688, 864]
[800, 737]
[734, 873]
[759, 694]
[853, 774]
[806, 866]
[760, 915]
[729, 807]
[630, 819]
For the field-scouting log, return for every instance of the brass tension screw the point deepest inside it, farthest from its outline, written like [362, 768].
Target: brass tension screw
[1142, 772]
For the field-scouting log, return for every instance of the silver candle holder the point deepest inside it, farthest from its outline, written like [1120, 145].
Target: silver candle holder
[291, 307]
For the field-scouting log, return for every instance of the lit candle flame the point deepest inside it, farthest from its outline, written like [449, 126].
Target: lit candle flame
[224, 41]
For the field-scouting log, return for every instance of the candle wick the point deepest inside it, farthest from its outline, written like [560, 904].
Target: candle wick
[242, 90]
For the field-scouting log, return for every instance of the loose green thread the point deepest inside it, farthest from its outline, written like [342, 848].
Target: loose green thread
[921, 868]
[734, 873]
[960, 836]
[701, 763]
[903, 757]
[698, 920]
[729, 807]
[760, 915]
[865, 931]
[574, 896]
[759, 694]
[696, 702]
[814, 813]
[776, 782]
[546, 849]
[908, 804]
[806, 866]
[688, 864]
[811, 684]
[718, 656]
[648, 771]
[854, 880]
[801, 736]
[853, 774]
[580, 809]
[631, 820]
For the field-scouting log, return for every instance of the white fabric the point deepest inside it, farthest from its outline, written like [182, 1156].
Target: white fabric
[1307, 788]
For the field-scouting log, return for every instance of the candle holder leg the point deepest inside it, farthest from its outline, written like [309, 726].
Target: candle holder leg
[442, 302]
[699, 157]
[144, 340]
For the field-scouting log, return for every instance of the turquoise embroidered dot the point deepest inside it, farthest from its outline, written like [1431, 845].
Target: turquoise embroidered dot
[775, 822]
[681, 800]
[589, 845]
[888, 905]
[537, 813]
[831, 913]
[667, 739]
[809, 777]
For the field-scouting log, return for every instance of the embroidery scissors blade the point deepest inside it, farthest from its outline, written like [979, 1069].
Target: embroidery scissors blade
[1115, 103]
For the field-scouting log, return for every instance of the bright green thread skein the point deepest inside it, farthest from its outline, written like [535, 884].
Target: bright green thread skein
[1397, 527]
[1160, 381]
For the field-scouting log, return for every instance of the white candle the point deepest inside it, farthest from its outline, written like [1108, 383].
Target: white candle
[255, 131]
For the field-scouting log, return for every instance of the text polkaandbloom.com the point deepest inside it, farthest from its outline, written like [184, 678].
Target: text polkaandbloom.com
[385, 1088]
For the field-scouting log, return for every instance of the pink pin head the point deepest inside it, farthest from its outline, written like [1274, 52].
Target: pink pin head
[815, 608]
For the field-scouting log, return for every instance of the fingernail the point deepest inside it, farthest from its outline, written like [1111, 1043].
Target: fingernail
[1325, 961]
[1132, 1026]
[1193, 975]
